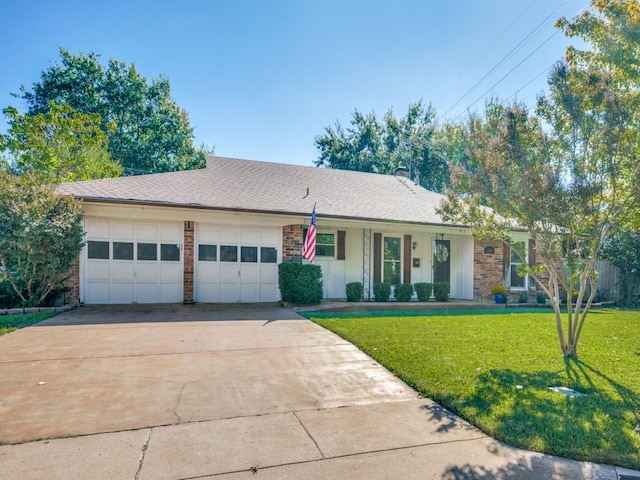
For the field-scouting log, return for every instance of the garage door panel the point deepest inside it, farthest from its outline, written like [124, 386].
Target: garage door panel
[250, 274]
[229, 273]
[121, 292]
[249, 293]
[122, 271]
[98, 270]
[121, 230]
[124, 278]
[229, 292]
[268, 292]
[269, 274]
[208, 292]
[97, 292]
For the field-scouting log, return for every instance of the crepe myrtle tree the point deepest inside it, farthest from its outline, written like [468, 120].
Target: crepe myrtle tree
[566, 176]
[41, 236]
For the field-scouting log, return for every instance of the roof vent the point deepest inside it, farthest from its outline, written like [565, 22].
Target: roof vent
[402, 171]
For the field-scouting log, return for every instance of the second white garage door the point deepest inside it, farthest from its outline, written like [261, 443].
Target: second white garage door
[236, 264]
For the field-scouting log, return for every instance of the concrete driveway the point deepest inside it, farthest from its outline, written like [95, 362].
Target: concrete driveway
[231, 392]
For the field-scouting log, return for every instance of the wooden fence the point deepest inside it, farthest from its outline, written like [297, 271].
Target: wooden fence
[609, 288]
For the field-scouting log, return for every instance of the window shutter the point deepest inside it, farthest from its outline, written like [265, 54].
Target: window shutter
[341, 245]
[532, 252]
[506, 261]
[377, 257]
[407, 259]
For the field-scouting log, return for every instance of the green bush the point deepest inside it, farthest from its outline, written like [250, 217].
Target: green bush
[403, 292]
[541, 298]
[423, 291]
[301, 284]
[381, 291]
[523, 298]
[441, 291]
[8, 297]
[354, 291]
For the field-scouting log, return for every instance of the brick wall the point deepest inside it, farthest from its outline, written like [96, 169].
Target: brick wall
[188, 259]
[73, 282]
[487, 268]
[292, 243]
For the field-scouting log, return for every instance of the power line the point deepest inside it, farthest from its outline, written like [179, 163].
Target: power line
[507, 56]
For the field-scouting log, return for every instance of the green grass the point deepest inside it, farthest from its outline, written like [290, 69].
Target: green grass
[9, 323]
[494, 370]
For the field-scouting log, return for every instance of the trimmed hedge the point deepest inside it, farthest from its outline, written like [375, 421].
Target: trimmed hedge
[441, 291]
[381, 291]
[403, 292]
[301, 284]
[354, 291]
[423, 291]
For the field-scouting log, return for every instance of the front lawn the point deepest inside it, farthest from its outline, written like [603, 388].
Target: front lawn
[9, 323]
[495, 370]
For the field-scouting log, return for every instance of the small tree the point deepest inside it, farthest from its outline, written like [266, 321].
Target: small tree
[40, 239]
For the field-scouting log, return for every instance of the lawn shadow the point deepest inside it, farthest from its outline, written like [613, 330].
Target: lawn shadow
[519, 409]
[444, 418]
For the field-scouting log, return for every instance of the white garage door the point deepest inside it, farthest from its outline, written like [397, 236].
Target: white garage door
[236, 264]
[132, 262]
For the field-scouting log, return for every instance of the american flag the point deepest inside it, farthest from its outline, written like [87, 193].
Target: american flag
[309, 248]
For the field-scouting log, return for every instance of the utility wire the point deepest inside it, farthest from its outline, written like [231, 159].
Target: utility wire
[507, 56]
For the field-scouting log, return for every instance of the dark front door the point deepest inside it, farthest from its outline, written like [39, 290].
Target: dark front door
[442, 261]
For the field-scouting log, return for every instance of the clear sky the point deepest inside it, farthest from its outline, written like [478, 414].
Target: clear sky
[261, 79]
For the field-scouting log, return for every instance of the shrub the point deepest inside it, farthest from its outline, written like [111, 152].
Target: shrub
[441, 291]
[541, 298]
[403, 292]
[498, 290]
[423, 291]
[8, 297]
[523, 298]
[381, 291]
[300, 283]
[354, 291]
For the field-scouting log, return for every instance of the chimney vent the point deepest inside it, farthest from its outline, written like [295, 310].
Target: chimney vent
[401, 171]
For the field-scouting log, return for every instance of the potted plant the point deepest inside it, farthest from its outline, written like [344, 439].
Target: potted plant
[499, 293]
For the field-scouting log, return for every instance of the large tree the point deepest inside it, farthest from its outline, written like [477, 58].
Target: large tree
[147, 131]
[41, 236]
[371, 145]
[59, 145]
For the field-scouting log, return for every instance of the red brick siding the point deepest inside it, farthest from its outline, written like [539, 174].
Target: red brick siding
[188, 259]
[73, 282]
[487, 268]
[292, 243]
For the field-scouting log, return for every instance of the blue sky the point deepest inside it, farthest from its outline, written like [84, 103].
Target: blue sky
[261, 79]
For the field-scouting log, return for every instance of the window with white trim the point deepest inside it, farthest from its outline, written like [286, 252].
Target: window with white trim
[518, 257]
[325, 245]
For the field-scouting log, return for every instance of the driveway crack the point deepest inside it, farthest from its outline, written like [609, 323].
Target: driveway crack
[309, 434]
[175, 410]
[143, 454]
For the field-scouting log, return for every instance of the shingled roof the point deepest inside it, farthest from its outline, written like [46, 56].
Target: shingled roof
[252, 186]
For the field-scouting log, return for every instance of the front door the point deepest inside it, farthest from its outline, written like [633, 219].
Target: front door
[442, 261]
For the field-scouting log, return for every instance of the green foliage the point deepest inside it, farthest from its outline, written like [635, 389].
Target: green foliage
[523, 298]
[423, 291]
[9, 323]
[441, 291]
[498, 289]
[403, 292]
[146, 130]
[354, 291]
[300, 283]
[40, 239]
[541, 298]
[472, 365]
[623, 250]
[381, 291]
[59, 145]
[8, 296]
[370, 145]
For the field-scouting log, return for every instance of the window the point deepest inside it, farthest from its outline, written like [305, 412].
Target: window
[325, 245]
[169, 252]
[228, 253]
[147, 251]
[268, 255]
[122, 251]
[391, 264]
[518, 257]
[249, 254]
[98, 250]
[207, 253]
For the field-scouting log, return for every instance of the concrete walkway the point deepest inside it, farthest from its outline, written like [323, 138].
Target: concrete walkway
[228, 392]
